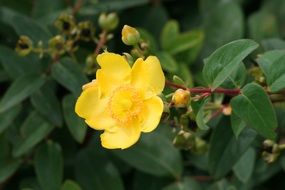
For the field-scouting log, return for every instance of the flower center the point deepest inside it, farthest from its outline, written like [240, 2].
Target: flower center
[125, 104]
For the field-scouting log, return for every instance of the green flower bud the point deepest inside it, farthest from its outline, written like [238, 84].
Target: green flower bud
[24, 46]
[65, 23]
[86, 30]
[57, 45]
[130, 35]
[108, 21]
[184, 140]
[200, 146]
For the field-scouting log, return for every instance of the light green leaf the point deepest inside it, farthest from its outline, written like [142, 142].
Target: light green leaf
[7, 118]
[75, 124]
[148, 156]
[168, 63]
[33, 130]
[272, 64]
[244, 167]
[46, 103]
[70, 185]
[198, 108]
[69, 74]
[225, 149]
[254, 107]
[225, 60]
[186, 184]
[49, 166]
[169, 33]
[93, 170]
[20, 89]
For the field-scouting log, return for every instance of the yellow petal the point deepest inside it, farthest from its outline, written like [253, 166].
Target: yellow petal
[120, 137]
[148, 75]
[152, 113]
[114, 71]
[93, 109]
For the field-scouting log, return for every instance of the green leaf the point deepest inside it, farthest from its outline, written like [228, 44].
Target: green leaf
[168, 63]
[244, 167]
[49, 166]
[263, 25]
[93, 170]
[70, 185]
[237, 78]
[24, 25]
[186, 184]
[33, 130]
[47, 104]
[222, 23]
[225, 149]
[237, 124]
[69, 74]
[20, 89]
[225, 60]
[7, 118]
[272, 44]
[254, 107]
[143, 181]
[44, 7]
[198, 108]
[186, 41]
[272, 65]
[149, 156]
[8, 169]
[16, 65]
[75, 124]
[169, 33]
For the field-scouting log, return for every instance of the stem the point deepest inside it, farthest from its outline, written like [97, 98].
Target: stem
[232, 92]
[101, 43]
[77, 6]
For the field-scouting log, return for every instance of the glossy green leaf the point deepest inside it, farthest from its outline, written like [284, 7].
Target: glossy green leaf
[7, 118]
[75, 124]
[46, 103]
[167, 62]
[49, 166]
[254, 107]
[69, 74]
[186, 184]
[244, 167]
[24, 25]
[272, 64]
[237, 78]
[169, 33]
[20, 89]
[225, 60]
[225, 149]
[15, 65]
[33, 130]
[148, 156]
[93, 170]
[70, 185]
[237, 124]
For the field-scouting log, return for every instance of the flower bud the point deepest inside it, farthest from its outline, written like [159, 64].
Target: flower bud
[184, 140]
[108, 21]
[24, 46]
[65, 23]
[86, 30]
[227, 110]
[181, 98]
[130, 35]
[57, 45]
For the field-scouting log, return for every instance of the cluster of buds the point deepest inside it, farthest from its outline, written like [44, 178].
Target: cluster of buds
[188, 141]
[272, 150]
[258, 75]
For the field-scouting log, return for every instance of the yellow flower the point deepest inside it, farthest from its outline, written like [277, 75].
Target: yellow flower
[122, 100]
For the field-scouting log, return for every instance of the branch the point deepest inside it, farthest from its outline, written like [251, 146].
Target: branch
[101, 43]
[232, 92]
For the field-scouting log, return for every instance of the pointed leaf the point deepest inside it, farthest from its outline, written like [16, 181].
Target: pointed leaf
[226, 60]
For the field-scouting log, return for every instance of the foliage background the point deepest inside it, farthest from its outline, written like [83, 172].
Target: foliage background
[44, 145]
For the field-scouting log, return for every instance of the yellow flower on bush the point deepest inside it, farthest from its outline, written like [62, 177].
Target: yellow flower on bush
[122, 100]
